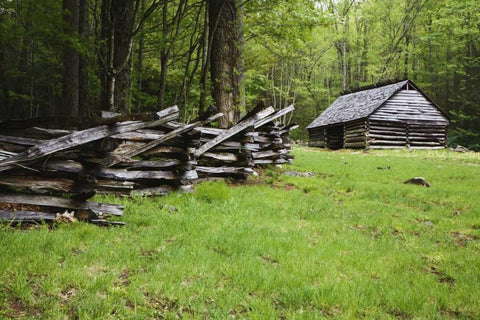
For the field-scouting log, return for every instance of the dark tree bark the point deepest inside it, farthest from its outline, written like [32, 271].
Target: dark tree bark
[123, 17]
[70, 59]
[170, 31]
[224, 57]
[119, 26]
[83, 29]
[206, 46]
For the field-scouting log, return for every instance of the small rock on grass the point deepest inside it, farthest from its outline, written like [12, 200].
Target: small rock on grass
[418, 181]
[299, 174]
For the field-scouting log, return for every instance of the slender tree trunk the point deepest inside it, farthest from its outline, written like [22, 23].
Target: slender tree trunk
[122, 12]
[139, 66]
[206, 45]
[70, 59]
[364, 65]
[239, 71]
[83, 29]
[163, 57]
[3, 87]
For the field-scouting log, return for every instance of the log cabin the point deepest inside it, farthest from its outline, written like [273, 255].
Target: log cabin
[397, 115]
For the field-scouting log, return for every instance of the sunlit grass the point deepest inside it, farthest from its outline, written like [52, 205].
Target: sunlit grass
[352, 242]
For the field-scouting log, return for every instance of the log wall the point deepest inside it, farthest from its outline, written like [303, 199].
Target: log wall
[317, 137]
[355, 135]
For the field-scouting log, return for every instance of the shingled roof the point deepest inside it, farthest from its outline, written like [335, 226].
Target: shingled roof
[357, 105]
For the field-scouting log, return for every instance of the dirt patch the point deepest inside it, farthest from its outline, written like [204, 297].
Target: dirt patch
[162, 304]
[442, 276]
[461, 238]
[66, 295]
[399, 314]
[270, 260]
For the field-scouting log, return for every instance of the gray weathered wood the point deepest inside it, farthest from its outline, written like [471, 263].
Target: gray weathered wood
[82, 137]
[59, 202]
[113, 160]
[274, 116]
[233, 130]
[26, 216]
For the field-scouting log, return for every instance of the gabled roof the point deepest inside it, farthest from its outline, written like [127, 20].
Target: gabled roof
[357, 105]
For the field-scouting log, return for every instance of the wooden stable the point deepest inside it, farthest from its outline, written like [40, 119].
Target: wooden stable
[392, 116]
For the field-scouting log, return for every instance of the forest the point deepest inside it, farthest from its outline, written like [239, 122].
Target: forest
[77, 57]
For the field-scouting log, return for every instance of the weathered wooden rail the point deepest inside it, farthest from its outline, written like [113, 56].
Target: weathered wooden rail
[49, 170]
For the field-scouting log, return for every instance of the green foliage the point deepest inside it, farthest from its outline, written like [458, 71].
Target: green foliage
[301, 52]
[468, 138]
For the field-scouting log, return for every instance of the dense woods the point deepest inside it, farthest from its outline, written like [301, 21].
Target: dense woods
[77, 57]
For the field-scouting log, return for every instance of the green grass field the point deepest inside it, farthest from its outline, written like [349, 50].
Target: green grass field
[352, 242]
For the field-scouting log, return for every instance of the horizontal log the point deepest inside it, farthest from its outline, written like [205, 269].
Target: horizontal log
[59, 202]
[427, 147]
[82, 137]
[268, 153]
[320, 144]
[354, 139]
[219, 170]
[115, 174]
[223, 156]
[6, 154]
[140, 135]
[388, 137]
[153, 164]
[37, 184]
[425, 143]
[386, 142]
[26, 216]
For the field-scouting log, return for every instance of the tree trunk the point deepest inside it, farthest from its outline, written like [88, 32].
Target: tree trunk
[70, 59]
[206, 46]
[223, 18]
[123, 18]
[83, 28]
[239, 71]
[164, 53]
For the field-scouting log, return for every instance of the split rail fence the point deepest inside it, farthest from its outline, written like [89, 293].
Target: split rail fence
[45, 171]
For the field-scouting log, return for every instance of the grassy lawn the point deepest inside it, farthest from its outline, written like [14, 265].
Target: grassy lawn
[351, 242]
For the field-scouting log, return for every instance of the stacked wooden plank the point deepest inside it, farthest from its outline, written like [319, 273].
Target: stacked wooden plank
[422, 135]
[122, 157]
[46, 172]
[387, 134]
[255, 140]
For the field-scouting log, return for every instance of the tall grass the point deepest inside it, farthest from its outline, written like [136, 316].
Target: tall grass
[351, 242]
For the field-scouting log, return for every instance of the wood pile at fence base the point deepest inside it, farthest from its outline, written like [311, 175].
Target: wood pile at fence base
[46, 173]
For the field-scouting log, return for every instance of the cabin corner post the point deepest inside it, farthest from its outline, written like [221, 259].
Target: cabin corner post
[407, 135]
[367, 134]
[325, 137]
